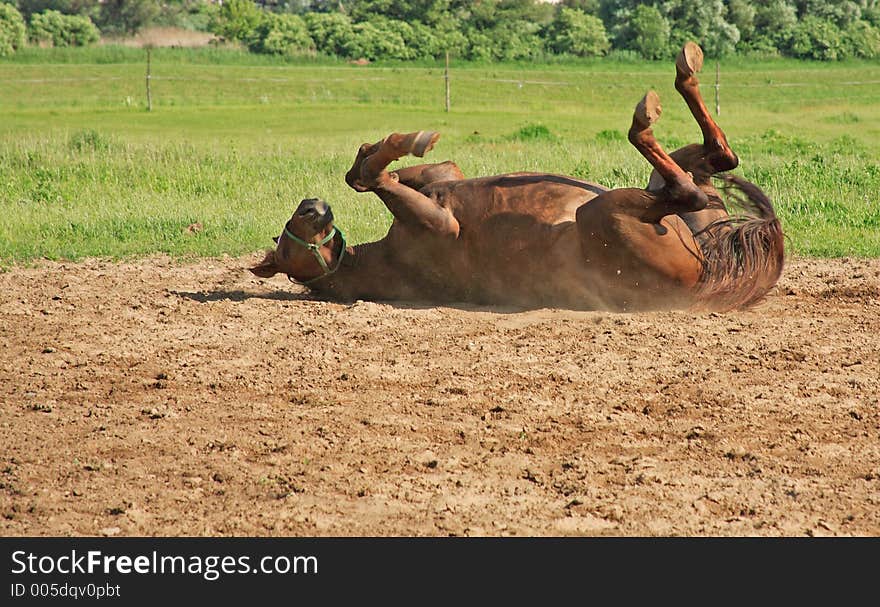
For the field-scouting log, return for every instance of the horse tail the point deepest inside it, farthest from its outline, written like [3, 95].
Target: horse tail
[742, 255]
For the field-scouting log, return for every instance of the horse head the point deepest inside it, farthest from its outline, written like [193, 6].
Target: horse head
[309, 248]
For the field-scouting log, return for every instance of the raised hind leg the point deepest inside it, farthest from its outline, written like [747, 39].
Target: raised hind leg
[679, 193]
[716, 149]
[644, 254]
[398, 189]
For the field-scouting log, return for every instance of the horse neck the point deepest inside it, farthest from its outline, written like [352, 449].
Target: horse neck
[365, 274]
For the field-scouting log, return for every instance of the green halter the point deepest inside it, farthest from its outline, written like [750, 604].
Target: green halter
[316, 251]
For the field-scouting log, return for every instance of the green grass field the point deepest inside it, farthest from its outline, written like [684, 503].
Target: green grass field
[235, 141]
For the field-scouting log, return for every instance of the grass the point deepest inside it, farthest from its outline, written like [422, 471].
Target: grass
[234, 141]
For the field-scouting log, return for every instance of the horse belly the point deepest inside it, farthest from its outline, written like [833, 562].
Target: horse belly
[542, 266]
[517, 245]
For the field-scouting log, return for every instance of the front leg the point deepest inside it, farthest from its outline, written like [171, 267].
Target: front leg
[420, 175]
[407, 204]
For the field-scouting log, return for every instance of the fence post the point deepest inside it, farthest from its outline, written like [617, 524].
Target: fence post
[447, 82]
[717, 89]
[149, 77]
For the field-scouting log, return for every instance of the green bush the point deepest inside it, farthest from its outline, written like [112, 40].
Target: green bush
[480, 46]
[283, 34]
[575, 33]
[88, 140]
[518, 40]
[507, 41]
[872, 15]
[841, 13]
[375, 40]
[451, 38]
[57, 29]
[815, 38]
[126, 16]
[533, 132]
[741, 13]
[12, 30]
[648, 33]
[861, 39]
[239, 21]
[89, 8]
[774, 23]
[330, 31]
[422, 41]
[705, 22]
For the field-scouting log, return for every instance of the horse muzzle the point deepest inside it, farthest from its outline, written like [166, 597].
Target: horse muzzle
[316, 212]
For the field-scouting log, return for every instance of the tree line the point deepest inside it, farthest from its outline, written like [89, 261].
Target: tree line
[479, 30]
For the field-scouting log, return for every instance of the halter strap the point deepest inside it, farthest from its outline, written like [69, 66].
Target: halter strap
[315, 248]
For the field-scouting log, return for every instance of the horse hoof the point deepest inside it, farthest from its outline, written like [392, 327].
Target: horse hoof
[353, 174]
[420, 143]
[648, 109]
[690, 59]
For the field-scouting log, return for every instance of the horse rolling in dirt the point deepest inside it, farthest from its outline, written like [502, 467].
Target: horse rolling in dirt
[545, 240]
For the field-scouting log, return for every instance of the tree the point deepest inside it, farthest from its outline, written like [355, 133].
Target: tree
[12, 30]
[576, 33]
[126, 16]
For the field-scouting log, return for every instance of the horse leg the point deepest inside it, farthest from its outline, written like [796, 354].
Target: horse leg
[406, 203]
[372, 158]
[717, 150]
[416, 177]
[641, 262]
[644, 254]
[679, 193]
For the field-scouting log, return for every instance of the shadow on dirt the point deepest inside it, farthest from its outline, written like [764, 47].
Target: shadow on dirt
[239, 296]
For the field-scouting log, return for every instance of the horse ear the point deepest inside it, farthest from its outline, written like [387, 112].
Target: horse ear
[266, 268]
[276, 239]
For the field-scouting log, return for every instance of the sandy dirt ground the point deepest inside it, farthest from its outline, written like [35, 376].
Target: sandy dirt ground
[164, 398]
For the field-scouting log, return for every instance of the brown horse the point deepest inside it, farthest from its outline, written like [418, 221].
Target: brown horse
[544, 240]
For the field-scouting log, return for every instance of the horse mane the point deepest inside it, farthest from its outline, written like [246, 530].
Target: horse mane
[743, 254]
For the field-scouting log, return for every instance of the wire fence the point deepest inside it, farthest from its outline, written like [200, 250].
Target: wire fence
[419, 87]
